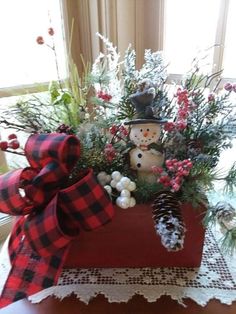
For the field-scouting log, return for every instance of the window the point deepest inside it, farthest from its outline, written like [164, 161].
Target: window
[192, 27]
[22, 61]
[229, 63]
[204, 29]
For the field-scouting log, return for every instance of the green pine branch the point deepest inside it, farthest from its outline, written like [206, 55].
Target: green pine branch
[230, 180]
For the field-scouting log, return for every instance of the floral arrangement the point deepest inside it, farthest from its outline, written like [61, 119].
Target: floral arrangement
[183, 123]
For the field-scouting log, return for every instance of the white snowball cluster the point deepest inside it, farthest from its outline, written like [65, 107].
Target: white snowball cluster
[103, 178]
[122, 184]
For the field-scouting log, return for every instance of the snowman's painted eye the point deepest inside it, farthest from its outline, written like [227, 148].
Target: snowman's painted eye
[141, 130]
[148, 130]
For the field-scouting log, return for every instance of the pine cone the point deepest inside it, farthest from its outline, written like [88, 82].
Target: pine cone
[65, 129]
[168, 221]
[224, 212]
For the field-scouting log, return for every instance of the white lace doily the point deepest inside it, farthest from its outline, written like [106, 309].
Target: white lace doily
[216, 278]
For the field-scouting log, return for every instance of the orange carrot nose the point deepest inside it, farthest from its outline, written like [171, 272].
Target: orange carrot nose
[145, 134]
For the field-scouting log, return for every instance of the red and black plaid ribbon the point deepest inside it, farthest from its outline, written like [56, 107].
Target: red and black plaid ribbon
[49, 214]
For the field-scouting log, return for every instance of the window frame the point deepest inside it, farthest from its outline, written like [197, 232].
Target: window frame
[5, 227]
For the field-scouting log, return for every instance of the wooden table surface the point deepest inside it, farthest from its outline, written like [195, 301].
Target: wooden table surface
[99, 305]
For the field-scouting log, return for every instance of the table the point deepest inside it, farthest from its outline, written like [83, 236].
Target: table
[99, 305]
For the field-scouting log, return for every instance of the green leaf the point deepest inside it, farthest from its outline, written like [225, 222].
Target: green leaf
[66, 98]
[54, 93]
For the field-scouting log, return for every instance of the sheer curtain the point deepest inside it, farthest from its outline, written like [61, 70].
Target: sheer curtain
[124, 22]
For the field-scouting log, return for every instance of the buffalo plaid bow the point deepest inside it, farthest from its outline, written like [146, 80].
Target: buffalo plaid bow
[50, 213]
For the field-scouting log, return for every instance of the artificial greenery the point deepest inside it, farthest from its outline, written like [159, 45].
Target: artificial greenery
[96, 102]
[224, 215]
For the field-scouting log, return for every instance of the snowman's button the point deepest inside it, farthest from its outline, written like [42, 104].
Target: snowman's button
[140, 155]
[138, 165]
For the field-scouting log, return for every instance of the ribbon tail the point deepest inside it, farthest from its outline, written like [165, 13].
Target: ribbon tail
[31, 273]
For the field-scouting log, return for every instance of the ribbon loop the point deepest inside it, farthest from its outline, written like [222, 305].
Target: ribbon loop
[46, 184]
[55, 155]
[11, 201]
[51, 157]
[86, 202]
[41, 149]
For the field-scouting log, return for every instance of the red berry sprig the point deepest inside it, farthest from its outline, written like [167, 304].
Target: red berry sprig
[109, 152]
[40, 40]
[12, 143]
[104, 96]
[119, 130]
[183, 111]
[119, 133]
[174, 176]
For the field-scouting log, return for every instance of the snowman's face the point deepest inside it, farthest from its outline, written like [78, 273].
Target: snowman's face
[145, 134]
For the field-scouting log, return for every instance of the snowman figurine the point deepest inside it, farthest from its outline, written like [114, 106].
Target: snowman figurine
[145, 132]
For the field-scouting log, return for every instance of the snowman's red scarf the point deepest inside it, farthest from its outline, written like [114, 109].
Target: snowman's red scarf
[50, 215]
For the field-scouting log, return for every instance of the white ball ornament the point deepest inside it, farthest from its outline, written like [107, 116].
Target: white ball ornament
[108, 178]
[125, 181]
[113, 183]
[124, 202]
[132, 202]
[119, 186]
[102, 177]
[116, 175]
[118, 201]
[125, 193]
[132, 186]
[108, 189]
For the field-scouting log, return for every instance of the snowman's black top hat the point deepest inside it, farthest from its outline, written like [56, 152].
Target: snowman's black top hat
[142, 100]
[145, 121]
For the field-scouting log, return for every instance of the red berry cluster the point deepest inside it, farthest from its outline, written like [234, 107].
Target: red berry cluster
[109, 152]
[211, 97]
[230, 87]
[175, 126]
[183, 111]
[176, 171]
[40, 39]
[104, 96]
[118, 130]
[12, 142]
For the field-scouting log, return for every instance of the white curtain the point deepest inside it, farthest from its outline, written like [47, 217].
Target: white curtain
[124, 22]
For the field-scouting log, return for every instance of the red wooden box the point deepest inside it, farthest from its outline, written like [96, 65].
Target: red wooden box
[130, 240]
